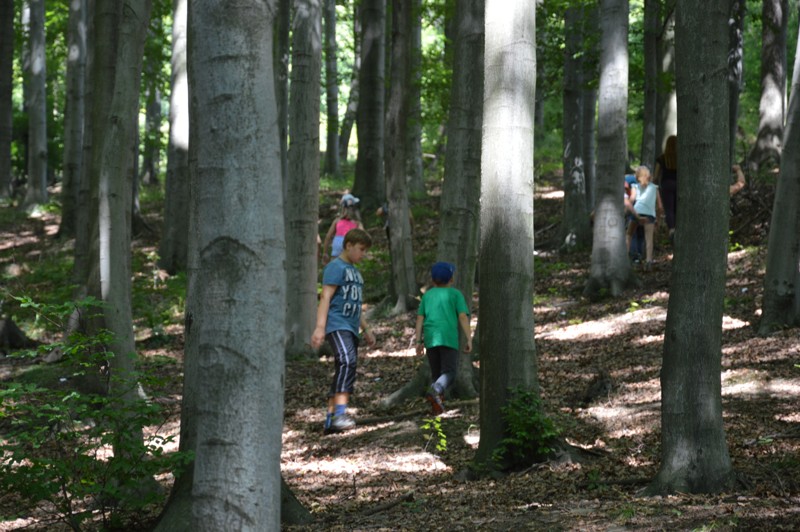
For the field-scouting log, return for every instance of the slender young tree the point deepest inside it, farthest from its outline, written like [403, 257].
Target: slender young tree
[369, 182]
[652, 10]
[694, 453]
[610, 267]
[352, 101]
[236, 296]
[397, 186]
[73, 116]
[735, 69]
[302, 197]
[6, 86]
[174, 245]
[772, 107]
[282, 24]
[331, 89]
[575, 228]
[414, 170]
[781, 306]
[507, 348]
[36, 105]
[667, 111]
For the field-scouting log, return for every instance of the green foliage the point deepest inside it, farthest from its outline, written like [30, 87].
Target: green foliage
[58, 441]
[432, 428]
[529, 432]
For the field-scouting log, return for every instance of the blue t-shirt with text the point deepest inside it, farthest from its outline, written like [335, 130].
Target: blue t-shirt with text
[344, 313]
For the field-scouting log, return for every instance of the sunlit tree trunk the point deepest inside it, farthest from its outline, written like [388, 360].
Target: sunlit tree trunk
[73, 116]
[236, 295]
[575, 228]
[369, 182]
[37, 108]
[694, 453]
[302, 198]
[460, 203]
[6, 88]
[507, 349]
[589, 74]
[772, 107]
[331, 89]
[610, 267]
[174, 244]
[397, 186]
[781, 306]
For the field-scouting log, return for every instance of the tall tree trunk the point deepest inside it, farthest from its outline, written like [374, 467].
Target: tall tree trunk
[73, 116]
[589, 77]
[112, 177]
[99, 70]
[6, 90]
[772, 107]
[331, 90]
[397, 111]
[735, 69]
[610, 267]
[302, 198]
[369, 182]
[37, 108]
[282, 23]
[174, 244]
[575, 229]
[781, 306]
[151, 147]
[352, 100]
[236, 295]
[694, 453]
[508, 352]
[414, 171]
[649, 153]
[460, 201]
[667, 109]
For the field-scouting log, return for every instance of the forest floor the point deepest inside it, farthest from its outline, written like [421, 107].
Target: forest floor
[388, 474]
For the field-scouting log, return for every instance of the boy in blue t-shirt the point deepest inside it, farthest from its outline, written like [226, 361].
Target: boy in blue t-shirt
[440, 313]
[338, 319]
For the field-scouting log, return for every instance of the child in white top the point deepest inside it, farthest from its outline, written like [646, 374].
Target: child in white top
[646, 204]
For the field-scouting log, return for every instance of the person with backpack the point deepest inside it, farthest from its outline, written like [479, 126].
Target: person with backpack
[347, 220]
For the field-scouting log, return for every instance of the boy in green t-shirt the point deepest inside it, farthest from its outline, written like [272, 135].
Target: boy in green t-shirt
[441, 311]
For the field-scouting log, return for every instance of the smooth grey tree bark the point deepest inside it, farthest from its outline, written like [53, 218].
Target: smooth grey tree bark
[648, 154]
[589, 81]
[237, 293]
[174, 245]
[610, 267]
[507, 348]
[575, 232]
[781, 303]
[36, 105]
[302, 197]
[402, 253]
[331, 89]
[151, 145]
[6, 88]
[694, 453]
[772, 106]
[369, 184]
[73, 115]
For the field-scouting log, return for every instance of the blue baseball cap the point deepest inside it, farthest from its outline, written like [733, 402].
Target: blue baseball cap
[348, 200]
[442, 272]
